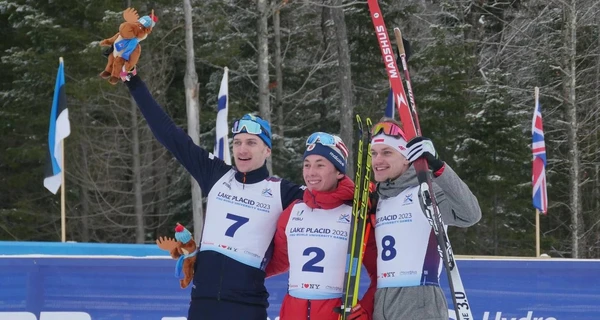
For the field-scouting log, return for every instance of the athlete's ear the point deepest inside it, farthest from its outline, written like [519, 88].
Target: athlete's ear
[340, 175]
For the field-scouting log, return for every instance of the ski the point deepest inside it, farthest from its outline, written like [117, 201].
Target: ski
[410, 122]
[459, 294]
[358, 221]
[363, 214]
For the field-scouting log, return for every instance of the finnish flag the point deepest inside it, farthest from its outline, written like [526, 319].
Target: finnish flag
[222, 139]
[59, 129]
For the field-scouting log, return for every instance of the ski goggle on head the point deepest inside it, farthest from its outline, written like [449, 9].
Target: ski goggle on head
[323, 138]
[389, 129]
[248, 126]
[333, 143]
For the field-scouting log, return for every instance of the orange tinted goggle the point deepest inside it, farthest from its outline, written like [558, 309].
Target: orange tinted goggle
[389, 129]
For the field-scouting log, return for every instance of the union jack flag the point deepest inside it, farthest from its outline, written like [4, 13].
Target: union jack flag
[538, 147]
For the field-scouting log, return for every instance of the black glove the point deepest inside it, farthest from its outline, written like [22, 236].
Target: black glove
[421, 147]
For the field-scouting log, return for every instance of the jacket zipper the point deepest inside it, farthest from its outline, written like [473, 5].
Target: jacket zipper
[308, 309]
[220, 281]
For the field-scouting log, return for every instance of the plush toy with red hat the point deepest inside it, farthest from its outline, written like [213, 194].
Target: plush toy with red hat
[183, 248]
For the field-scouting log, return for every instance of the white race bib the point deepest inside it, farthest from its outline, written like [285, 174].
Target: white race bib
[241, 219]
[317, 249]
[407, 253]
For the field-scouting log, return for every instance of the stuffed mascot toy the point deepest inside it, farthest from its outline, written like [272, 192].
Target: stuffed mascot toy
[125, 49]
[183, 248]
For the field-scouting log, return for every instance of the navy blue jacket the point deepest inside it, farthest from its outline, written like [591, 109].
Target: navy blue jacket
[217, 276]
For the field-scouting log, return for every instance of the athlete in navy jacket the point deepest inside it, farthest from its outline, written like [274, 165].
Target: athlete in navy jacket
[243, 205]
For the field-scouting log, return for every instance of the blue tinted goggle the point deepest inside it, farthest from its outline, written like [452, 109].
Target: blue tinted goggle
[247, 126]
[322, 138]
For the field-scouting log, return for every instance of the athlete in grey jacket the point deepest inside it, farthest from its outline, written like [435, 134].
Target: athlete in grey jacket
[408, 262]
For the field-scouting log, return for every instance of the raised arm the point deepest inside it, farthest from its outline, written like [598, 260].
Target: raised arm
[456, 202]
[202, 165]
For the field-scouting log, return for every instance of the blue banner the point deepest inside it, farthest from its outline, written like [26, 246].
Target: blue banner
[116, 282]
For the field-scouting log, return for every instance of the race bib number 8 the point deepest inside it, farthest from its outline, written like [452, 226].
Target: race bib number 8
[387, 245]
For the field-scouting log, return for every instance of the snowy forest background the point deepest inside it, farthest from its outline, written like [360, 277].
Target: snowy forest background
[474, 67]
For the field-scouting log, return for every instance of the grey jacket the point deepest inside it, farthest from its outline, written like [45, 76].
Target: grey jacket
[457, 204]
[458, 207]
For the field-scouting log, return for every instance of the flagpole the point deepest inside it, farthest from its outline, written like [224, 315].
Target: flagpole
[537, 233]
[63, 218]
[537, 212]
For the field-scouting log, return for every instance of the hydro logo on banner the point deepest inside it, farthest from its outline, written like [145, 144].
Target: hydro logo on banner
[42, 281]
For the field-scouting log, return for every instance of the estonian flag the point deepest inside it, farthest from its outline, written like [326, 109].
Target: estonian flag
[59, 129]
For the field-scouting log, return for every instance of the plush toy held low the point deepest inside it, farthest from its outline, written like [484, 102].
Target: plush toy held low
[125, 46]
[183, 248]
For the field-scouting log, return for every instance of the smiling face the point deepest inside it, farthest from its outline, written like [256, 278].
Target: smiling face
[249, 152]
[320, 174]
[388, 163]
